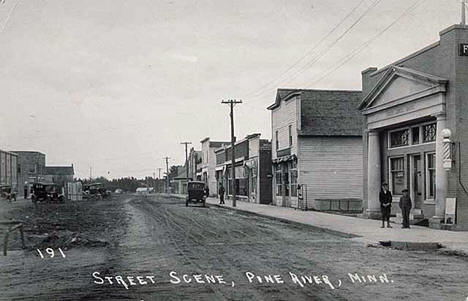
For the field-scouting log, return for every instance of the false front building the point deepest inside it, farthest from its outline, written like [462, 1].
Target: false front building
[416, 131]
[317, 149]
[252, 169]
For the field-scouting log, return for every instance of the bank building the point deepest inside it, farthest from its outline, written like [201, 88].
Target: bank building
[416, 132]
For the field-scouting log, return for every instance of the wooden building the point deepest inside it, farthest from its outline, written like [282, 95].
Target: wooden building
[208, 164]
[316, 148]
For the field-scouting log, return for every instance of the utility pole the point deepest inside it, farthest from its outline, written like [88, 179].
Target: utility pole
[231, 103]
[167, 174]
[90, 172]
[159, 170]
[463, 12]
[186, 161]
[159, 178]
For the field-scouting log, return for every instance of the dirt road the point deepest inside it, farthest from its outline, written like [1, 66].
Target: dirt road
[152, 242]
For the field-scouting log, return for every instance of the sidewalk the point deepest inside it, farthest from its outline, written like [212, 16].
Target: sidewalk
[366, 231]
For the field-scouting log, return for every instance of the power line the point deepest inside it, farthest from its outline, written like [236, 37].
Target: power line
[331, 45]
[311, 50]
[9, 15]
[368, 42]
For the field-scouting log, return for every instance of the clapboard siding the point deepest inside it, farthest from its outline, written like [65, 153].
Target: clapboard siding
[281, 118]
[331, 167]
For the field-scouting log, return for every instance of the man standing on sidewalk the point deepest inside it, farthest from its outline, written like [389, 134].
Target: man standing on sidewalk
[405, 206]
[221, 193]
[385, 198]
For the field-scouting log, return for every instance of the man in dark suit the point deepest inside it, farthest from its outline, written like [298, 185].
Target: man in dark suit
[405, 206]
[385, 198]
[221, 193]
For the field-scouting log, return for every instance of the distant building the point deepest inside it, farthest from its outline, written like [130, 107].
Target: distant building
[31, 168]
[317, 147]
[9, 169]
[208, 164]
[60, 175]
[179, 182]
[252, 169]
[416, 131]
[194, 164]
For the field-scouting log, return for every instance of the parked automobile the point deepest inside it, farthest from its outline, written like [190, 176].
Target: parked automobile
[95, 190]
[46, 192]
[6, 192]
[196, 193]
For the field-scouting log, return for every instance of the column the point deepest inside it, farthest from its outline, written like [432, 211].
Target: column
[441, 174]
[373, 174]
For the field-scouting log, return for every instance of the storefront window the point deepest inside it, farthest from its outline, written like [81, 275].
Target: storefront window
[286, 181]
[279, 191]
[431, 182]
[399, 138]
[415, 134]
[429, 132]
[293, 178]
[397, 175]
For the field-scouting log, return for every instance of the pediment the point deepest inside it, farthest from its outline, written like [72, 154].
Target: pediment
[400, 85]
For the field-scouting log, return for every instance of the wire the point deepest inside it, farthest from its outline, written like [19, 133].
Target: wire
[8, 16]
[332, 44]
[358, 50]
[311, 50]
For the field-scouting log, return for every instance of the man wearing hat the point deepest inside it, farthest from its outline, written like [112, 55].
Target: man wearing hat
[385, 198]
[405, 206]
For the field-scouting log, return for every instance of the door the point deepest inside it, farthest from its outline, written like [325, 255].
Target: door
[417, 181]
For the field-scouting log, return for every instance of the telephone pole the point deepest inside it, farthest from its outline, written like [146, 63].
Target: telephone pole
[231, 103]
[463, 12]
[159, 170]
[167, 174]
[186, 160]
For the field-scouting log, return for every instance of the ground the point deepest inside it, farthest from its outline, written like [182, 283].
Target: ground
[155, 236]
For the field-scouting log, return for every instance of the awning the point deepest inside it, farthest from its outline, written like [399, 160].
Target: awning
[285, 159]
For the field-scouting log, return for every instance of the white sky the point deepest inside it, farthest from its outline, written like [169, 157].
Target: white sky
[117, 85]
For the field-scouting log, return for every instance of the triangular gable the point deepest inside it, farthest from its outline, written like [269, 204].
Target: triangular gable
[400, 83]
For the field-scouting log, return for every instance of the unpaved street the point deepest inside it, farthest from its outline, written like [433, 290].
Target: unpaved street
[151, 237]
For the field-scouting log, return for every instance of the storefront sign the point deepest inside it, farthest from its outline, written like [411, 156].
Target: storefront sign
[464, 49]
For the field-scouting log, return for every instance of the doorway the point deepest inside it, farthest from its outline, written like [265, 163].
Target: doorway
[416, 181]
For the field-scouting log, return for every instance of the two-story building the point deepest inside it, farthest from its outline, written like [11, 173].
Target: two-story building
[416, 131]
[194, 164]
[316, 147]
[31, 168]
[208, 163]
[252, 169]
[9, 169]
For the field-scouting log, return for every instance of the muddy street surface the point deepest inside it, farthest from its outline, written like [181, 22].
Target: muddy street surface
[156, 248]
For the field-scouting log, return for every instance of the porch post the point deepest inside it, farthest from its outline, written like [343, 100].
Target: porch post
[441, 173]
[373, 174]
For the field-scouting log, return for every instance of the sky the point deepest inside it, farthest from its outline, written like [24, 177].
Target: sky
[116, 85]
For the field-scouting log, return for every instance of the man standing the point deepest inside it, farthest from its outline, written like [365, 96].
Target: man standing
[25, 190]
[221, 193]
[385, 198]
[405, 206]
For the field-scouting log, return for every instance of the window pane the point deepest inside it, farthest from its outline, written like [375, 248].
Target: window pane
[415, 133]
[429, 132]
[399, 138]
[398, 175]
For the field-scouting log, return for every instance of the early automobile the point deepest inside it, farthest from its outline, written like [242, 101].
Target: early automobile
[95, 190]
[6, 192]
[46, 192]
[196, 193]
